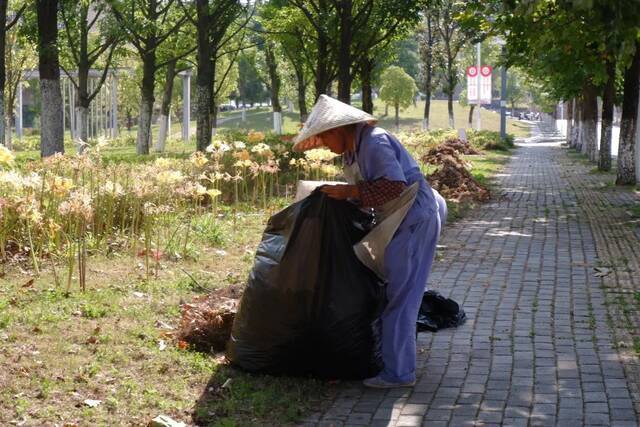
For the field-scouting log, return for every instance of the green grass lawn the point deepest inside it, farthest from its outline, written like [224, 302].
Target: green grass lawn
[56, 351]
[411, 118]
[260, 119]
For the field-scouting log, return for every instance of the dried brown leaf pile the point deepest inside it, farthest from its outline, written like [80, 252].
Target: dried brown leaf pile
[452, 179]
[206, 322]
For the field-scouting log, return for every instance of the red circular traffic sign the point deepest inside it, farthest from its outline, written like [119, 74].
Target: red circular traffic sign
[472, 71]
[486, 70]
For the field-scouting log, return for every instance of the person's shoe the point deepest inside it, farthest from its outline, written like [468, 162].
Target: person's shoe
[377, 382]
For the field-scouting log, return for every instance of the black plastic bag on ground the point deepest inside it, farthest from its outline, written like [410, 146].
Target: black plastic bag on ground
[310, 306]
[437, 312]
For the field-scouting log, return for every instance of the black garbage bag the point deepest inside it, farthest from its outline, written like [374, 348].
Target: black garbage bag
[437, 312]
[310, 306]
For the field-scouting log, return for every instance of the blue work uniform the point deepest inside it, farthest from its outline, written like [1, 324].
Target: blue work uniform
[409, 255]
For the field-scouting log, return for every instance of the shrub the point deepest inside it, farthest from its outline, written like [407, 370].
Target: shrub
[490, 140]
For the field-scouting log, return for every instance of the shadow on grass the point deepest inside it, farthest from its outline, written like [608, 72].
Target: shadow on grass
[233, 397]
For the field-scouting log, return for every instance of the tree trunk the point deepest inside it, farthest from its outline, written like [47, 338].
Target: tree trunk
[165, 107]
[569, 121]
[274, 78]
[51, 126]
[7, 130]
[590, 121]
[450, 109]
[147, 99]
[322, 73]
[302, 92]
[608, 99]
[472, 107]
[3, 73]
[577, 124]
[366, 68]
[204, 78]
[345, 10]
[82, 130]
[629, 122]
[82, 98]
[397, 108]
[428, 69]
[322, 78]
[82, 106]
[274, 86]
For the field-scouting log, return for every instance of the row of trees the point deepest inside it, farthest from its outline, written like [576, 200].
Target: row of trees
[315, 43]
[300, 48]
[579, 52]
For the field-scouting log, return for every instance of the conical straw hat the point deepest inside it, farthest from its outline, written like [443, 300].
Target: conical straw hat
[328, 113]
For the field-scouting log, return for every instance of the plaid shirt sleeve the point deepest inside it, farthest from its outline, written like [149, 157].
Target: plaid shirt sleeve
[379, 192]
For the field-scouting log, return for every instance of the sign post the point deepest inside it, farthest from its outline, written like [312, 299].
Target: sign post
[479, 88]
[472, 84]
[479, 65]
[485, 84]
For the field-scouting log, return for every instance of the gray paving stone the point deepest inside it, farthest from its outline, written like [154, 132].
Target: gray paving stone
[537, 348]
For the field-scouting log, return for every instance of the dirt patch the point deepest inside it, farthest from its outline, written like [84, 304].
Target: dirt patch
[207, 321]
[452, 179]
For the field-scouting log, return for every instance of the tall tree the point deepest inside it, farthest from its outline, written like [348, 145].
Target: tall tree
[287, 26]
[147, 25]
[250, 86]
[18, 55]
[428, 40]
[385, 24]
[320, 15]
[180, 41]
[51, 126]
[87, 48]
[273, 83]
[6, 23]
[608, 100]
[629, 122]
[452, 38]
[590, 119]
[214, 22]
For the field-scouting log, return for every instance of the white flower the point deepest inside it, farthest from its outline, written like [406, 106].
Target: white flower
[319, 155]
[217, 146]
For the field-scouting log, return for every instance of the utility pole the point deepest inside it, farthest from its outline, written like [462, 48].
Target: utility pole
[503, 96]
[478, 122]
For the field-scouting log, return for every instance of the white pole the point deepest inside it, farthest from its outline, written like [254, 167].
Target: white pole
[72, 116]
[64, 104]
[186, 105]
[478, 122]
[277, 122]
[19, 113]
[114, 106]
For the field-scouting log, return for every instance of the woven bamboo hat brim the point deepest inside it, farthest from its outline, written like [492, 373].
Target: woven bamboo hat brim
[328, 113]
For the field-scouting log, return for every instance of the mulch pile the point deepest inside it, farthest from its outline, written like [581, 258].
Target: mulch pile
[453, 179]
[206, 322]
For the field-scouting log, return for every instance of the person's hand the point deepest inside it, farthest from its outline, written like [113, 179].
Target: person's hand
[341, 191]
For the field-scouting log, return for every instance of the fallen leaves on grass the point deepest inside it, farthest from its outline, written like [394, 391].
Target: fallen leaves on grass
[452, 179]
[206, 322]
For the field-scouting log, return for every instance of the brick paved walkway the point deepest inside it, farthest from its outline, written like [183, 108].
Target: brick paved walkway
[539, 347]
